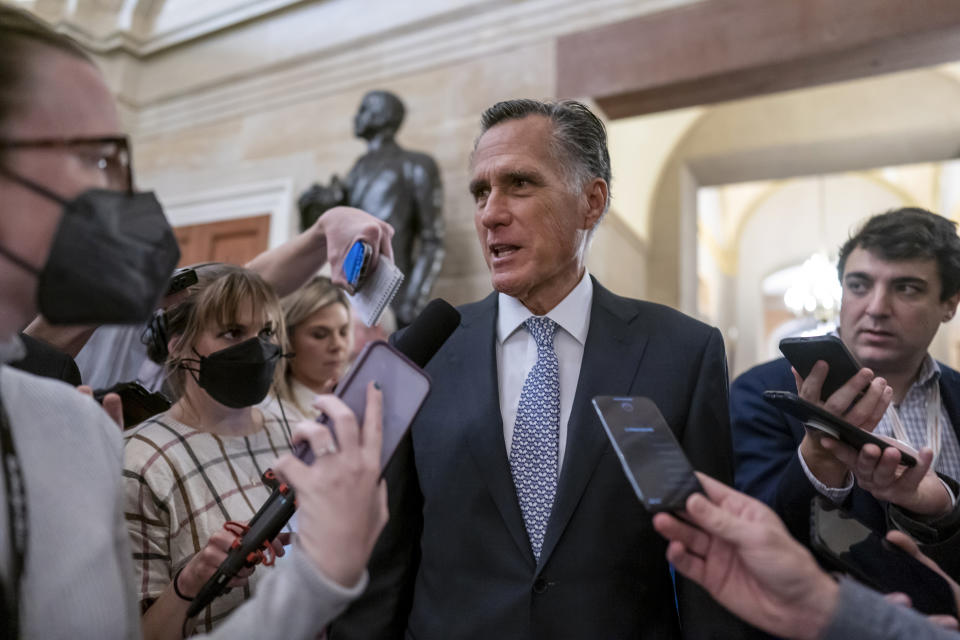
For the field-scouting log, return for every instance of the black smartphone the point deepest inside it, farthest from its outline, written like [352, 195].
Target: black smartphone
[404, 386]
[803, 353]
[181, 279]
[846, 544]
[816, 418]
[652, 459]
[357, 263]
[138, 403]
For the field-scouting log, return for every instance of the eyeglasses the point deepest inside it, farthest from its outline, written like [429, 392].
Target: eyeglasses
[108, 154]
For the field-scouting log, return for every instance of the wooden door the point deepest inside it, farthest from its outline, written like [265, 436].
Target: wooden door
[232, 241]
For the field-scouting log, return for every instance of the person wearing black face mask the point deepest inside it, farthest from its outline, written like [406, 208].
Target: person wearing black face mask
[226, 342]
[65, 554]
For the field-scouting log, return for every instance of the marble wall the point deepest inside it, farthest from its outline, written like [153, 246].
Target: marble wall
[211, 121]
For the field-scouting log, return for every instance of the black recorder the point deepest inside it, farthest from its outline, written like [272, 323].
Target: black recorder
[652, 459]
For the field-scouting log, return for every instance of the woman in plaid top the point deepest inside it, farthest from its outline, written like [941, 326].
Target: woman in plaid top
[193, 468]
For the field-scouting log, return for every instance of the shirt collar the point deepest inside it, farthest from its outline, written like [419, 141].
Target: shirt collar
[929, 370]
[303, 394]
[571, 314]
[12, 349]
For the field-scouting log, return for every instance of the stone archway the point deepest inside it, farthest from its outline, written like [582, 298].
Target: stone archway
[889, 120]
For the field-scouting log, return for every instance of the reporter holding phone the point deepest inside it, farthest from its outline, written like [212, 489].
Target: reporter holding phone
[901, 279]
[742, 554]
[65, 557]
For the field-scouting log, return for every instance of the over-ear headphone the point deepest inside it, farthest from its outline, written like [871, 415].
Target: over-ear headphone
[154, 336]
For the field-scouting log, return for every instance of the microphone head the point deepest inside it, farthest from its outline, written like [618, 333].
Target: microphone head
[428, 331]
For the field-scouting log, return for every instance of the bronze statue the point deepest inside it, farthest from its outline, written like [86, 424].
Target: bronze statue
[398, 186]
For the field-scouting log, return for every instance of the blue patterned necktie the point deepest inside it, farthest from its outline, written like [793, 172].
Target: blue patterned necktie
[534, 449]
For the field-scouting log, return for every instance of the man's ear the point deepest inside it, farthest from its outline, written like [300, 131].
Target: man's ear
[950, 306]
[596, 194]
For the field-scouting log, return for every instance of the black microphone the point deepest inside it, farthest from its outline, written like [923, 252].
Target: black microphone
[419, 342]
[428, 331]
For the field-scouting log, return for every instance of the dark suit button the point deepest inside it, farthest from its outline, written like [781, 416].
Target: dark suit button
[540, 585]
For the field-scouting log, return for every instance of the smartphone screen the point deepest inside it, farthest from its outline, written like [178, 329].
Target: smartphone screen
[404, 386]
[803, 353]
[850, 546]
[652, 459]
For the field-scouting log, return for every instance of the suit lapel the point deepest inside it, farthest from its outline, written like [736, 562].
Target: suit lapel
[611, 358]
[949, 388]
[485, 434]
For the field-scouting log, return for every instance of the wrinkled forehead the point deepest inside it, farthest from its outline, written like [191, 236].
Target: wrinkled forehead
[519, 144]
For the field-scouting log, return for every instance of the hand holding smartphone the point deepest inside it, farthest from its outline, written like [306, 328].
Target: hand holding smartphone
[652, 459]
[803, 353]
[404, 386]
[814, 417]
[357, 263]
[848, 545]
[138, 403]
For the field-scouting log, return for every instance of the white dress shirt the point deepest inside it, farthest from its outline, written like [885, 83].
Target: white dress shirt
[517, 353]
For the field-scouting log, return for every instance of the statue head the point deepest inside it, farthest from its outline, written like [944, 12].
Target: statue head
[380, 111]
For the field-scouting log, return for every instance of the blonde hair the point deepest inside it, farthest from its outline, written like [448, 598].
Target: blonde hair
[317, 294]
[218, 302]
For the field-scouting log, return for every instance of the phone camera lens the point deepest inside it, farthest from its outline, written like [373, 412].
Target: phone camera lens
[627, 406]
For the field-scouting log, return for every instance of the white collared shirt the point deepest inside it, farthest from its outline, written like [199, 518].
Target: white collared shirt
[517, 353]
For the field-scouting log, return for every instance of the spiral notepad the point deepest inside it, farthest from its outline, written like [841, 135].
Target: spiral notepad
[377, 292]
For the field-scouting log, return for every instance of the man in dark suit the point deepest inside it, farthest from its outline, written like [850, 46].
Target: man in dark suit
[510, 513]
[901, 279]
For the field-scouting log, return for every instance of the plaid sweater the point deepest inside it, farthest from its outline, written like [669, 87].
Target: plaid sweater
[181, 485]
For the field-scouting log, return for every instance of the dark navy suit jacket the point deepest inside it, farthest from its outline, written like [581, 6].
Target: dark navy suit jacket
[455, 562]
[765, 442]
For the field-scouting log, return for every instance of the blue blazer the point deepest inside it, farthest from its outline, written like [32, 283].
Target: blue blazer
[765, 442]
[455, 562]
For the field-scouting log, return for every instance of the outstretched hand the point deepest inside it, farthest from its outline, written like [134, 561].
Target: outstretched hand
[112, 404]
[917, 488]
[342, 227]
[874, 396]
[342, 505]
[743, 555]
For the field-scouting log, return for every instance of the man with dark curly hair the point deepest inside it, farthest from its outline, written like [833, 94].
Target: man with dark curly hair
[900, 274]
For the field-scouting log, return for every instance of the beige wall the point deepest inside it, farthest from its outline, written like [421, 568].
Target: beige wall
[245, 114]
[311, 140]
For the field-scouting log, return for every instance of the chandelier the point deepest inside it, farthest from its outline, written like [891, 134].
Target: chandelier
[815, 290]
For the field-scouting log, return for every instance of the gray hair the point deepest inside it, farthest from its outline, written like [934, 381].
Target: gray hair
[579, 138]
